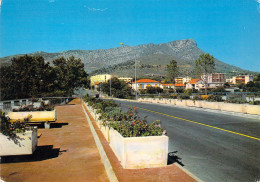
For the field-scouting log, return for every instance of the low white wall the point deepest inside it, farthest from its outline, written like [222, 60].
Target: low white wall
[36, 115]
[252, 109]
[27, 144]
[105, 131]
[140, 152]
[241, 108]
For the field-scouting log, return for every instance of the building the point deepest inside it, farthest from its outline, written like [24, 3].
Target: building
[182, 80]
[126, 79]
[99, 79]
[144, 83]
[214, 79]
[192, 83]
[242, 79]
[229, 80]
[166, 85]
[179, 85]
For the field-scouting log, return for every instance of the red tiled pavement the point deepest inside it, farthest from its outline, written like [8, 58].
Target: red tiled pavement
[74, 156]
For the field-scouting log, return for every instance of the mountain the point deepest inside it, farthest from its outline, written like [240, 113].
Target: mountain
[150, 58]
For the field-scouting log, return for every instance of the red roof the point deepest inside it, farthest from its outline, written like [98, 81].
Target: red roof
[193, 81]
[179, 85]
[97, 83]
[146, 81]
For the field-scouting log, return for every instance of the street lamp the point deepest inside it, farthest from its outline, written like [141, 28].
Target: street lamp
[110, 94]
[135, 73]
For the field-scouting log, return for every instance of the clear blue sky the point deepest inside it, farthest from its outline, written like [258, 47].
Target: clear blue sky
[227, 29]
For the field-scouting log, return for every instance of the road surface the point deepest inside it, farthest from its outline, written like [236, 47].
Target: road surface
[212, 146]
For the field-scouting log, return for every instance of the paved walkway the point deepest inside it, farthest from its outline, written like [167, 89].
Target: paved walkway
[67, 152]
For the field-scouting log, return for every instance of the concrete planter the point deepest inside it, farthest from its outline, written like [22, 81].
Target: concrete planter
[105, 130]
[27, 144]
[36, 115]
[139, 152]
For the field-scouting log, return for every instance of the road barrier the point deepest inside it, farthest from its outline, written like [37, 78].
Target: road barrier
[240, 108]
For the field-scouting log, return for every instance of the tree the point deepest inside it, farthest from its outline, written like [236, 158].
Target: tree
[204, 66]
[26, 77]
[172, 70]
[30, 76]
[70, 75]
[119, 88]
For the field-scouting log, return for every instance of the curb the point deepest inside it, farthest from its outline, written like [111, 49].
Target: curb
[108, 167]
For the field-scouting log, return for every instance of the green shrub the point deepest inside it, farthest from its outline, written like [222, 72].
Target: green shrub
[10, 129]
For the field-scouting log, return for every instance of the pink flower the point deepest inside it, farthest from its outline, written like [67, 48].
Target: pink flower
[164, 132]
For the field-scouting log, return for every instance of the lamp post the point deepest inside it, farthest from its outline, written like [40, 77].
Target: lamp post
[136, 97]
[110, 84]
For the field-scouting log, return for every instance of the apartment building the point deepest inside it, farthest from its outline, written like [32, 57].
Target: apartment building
[242, 79]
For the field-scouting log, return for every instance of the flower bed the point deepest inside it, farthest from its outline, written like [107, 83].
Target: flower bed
[136, 142]
[43, 113]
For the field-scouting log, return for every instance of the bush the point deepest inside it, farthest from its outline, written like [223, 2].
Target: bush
[236, 98]
[205, 97]
[216, 98]
[183, 96]
[10, 129]
[43, 107]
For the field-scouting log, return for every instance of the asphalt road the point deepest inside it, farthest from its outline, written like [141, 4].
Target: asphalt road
[212, 146]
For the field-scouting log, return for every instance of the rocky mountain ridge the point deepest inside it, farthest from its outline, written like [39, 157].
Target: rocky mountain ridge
[185, 52]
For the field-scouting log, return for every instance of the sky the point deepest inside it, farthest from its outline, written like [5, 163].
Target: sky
[227, 29]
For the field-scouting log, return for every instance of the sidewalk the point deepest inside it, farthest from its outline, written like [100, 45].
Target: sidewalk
[65, 153]
[68, 152]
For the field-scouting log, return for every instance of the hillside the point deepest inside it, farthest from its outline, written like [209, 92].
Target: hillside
[151, 58]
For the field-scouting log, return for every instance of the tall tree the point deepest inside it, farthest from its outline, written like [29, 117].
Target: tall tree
[70, 75]
[205, 65]
[172, 70]
[119, 88]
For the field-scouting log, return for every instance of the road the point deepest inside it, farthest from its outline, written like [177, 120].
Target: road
[212, 146]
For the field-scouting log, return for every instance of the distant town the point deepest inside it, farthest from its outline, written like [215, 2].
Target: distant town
[213, 80]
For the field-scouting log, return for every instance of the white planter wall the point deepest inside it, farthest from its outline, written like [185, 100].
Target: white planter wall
[140, 152]
[27, 144]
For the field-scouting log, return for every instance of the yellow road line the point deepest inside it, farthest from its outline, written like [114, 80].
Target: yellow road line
[255, 138]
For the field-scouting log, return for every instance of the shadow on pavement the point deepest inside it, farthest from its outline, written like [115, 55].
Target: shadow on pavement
[44, 152]
[40, 125]
[58, 125]
[172, 158]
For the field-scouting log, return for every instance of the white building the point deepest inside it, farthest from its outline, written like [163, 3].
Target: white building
[214, 79]
[100, 78]
[191, 84]
[182, 80]
[144, 83]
